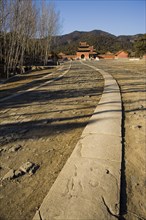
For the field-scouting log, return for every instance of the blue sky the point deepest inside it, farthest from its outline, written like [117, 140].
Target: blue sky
[118, 17]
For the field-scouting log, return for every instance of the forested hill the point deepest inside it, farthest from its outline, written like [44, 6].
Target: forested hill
[102, 41]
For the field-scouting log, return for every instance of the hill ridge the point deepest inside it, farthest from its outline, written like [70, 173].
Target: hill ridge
[101, 40]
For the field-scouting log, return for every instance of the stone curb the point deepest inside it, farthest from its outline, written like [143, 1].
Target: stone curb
[88, 187]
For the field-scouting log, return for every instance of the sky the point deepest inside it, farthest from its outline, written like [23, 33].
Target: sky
[118, 17]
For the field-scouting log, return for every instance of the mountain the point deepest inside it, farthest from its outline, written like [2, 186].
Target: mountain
[101, 40]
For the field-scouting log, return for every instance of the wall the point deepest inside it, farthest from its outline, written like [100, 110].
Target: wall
[122, 55]
[86, 54]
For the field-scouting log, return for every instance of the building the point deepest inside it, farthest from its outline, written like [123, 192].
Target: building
[108, 55]
[66, 57]
[121, 54]
[61, 55]
[85, 51]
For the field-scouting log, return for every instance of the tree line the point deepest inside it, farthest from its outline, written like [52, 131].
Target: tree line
[26, 32]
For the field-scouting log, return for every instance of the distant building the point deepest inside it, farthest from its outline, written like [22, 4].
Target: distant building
[67, 57]
[85, 51]
[70, 57]
[62, 55]
[121, 54]
[108, 55]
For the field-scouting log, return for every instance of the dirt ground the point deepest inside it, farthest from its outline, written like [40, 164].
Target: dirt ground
[131, 78]
[44, 125]
[41, 126]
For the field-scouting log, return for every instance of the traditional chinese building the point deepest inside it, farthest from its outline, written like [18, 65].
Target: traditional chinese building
[107, 55]
[121, 54]
[85, 51]
[67, 57]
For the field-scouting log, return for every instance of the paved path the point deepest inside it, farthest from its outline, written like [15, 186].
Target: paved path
[88, 187]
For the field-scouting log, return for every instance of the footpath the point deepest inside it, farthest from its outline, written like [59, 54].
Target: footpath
[88, 187]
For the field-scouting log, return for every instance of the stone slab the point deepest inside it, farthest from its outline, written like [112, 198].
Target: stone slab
[83, 191]
[98, 147]
[105, 121]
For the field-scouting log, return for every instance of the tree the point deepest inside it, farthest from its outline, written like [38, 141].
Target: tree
[25, 32]
[140, 46]
[48, 27]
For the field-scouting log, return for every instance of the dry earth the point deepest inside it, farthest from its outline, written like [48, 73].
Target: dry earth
[131, 77]
[44, 125]
[41, 126]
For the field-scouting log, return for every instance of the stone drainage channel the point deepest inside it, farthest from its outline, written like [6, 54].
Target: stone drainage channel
[88, 187]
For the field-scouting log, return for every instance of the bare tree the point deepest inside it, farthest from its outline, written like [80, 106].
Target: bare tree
[26, 32]
[4, 24]
[48, 27]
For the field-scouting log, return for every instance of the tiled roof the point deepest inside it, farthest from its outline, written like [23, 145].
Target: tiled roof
[83, 49]
[92, 52]
[84, 44]
[120, 52]
[106, 56]
[61, 54]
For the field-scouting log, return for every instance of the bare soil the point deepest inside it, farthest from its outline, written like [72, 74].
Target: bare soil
[131, 78]
[47, 123]
[42, 126]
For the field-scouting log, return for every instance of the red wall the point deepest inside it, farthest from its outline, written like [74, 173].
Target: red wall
[122, 55]
[86, 54]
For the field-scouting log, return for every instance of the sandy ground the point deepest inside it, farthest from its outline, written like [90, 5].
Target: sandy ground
[46, 123]
[132, 81]
[42, 127]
